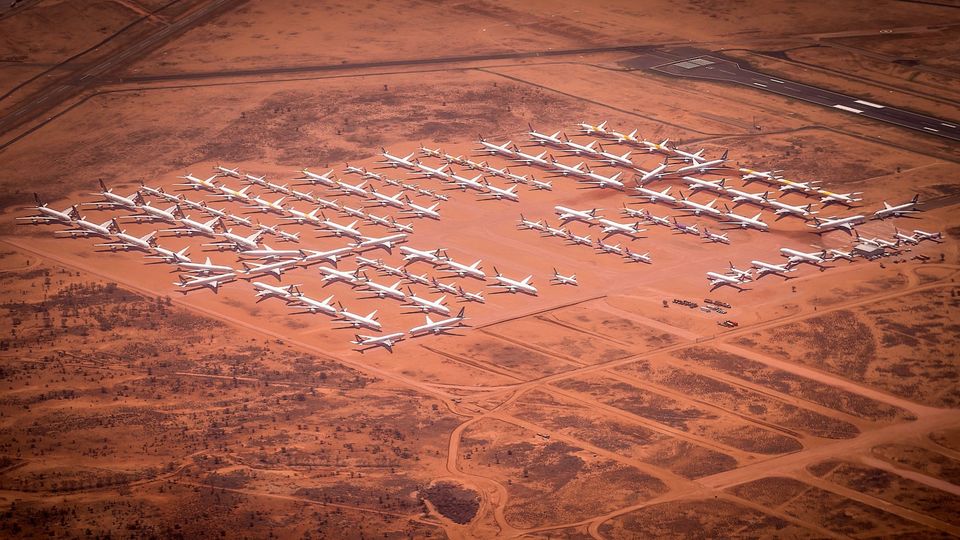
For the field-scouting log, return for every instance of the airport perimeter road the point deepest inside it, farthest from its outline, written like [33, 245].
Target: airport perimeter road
[720, 69]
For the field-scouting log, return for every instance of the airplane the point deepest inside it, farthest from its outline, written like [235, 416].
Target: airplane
[443, 287]
[438, 153]
[384, 242]
[695, 157]
[629, 138]
[258, 180]
[578, 149]
[233, 194]
[505, 173]
[201, 206]
[603, 181]
[427, 171]
[158, 193]
[529, 159]
[538, 185]
[826, 225]
[411, 255]
[314, 178]
[275, 230]
[697, 208]
[277, 188]
[49, 215]
[387, 270]
[309, 256]
[745, 221]
[363, 172]
[611, 228]
[740, 197]
[837, 254]
[463, 183]
[661, 147]
[261, 205]
[734, 271]
[589, 129]
[378, 220]
[363, 261]
[899, 210]
[652, 174]
[211, 282]
[333, 205]
[553, 231]
[237, 242]
[439, 327]
[569, 214]
[532, 225]
[794, 257]
[579, 240]
[370, 342]
[472, 297]
[846, 199]
[721, 280]
[559, 169]
[644, 214]
[783, 209]
[654, 196]
[236, 220]
[332, 274]
[425, 305]
[268, 252]
[350, 189]
[223, 171]
[613, 160]
[112, 200]
[151, 214]
[905, 238]
[544, 139]
[357, 321]
[386, 200]
[397, 226]
[275, 269]
[750, 174]
[513, 286]
[803, 187]
[493, 149]
[353, 212]
[303, 217]
[169, 256]
[313, 306]
[705, 166]
[714, 237]
[413, 278]
[560, 279]
[126, 241]
[879, 242]
[396, 161]
[197, 184]
[382, 291]
[633, 256]
[265, 291]
[608, 248]
[500, 193]
[339, 230]
[462, 270]
[697, 184]
[88, 228]
[764, 268]
[685, 229]
[933, 237]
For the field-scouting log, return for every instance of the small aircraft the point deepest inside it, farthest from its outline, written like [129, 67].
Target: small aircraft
[442, 326]
[212, 282]
[49, 215]
[524, 286]
[387, 341]
[353, 320]
[907, 208]
[560, 279]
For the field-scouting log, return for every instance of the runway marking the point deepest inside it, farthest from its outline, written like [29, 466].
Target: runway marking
[848, 109]
[948, 125]
[778, 81]
[758, 84]
[868, 104]
[930, 129]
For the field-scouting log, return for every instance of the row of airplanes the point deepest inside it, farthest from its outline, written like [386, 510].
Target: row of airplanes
[210, 275]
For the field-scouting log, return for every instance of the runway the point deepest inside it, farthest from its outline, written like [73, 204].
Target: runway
[716, 68]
